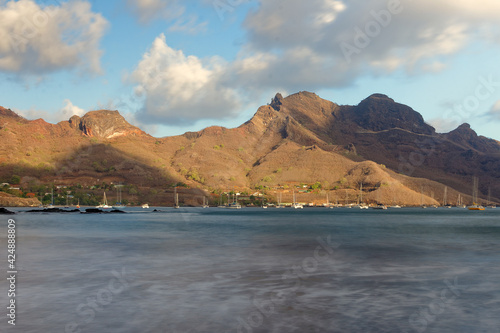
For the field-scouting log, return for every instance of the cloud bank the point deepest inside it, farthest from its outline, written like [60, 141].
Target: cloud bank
[181, 89]
[319, 44]
[36, 40]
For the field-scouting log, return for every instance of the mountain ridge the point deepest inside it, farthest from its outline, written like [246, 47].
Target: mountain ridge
[259, 152]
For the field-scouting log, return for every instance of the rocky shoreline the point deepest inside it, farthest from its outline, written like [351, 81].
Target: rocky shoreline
[7, 200]
[4, 211]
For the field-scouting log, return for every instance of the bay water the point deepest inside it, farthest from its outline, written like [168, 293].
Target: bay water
[256, 270]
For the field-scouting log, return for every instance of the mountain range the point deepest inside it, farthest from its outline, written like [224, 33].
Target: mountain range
[301, 140]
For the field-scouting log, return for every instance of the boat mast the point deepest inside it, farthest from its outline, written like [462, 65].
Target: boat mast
[445, 196]
[361, 193]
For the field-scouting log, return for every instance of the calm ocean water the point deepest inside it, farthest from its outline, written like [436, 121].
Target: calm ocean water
[255, 270]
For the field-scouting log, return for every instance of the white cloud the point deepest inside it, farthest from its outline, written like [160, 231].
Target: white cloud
[414, 37]
[70, 110]
[181, 89]
[296, 45]
[35, 40]
[67, 111]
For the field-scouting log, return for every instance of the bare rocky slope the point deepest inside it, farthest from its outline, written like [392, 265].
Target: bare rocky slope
[301, 139]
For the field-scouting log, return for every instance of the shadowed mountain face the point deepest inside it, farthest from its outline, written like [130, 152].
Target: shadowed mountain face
[389, 133]
[300, 138]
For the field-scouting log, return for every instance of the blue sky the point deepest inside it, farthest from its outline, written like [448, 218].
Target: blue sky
[172, 66]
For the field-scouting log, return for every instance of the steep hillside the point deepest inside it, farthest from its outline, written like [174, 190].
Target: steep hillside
[301, 139]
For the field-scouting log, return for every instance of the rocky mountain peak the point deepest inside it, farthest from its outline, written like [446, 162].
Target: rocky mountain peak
[104, 124]
[277, 101]
[380, 112]
[379, 97]
[8, 113]
[466, 136]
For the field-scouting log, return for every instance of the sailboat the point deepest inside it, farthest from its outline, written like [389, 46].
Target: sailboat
[459, 202]
[104, 204]
[328, 205]
[361, 204]
[474, 205]
[205, 202]
[118, 204]
[52, 202]
[176, 199]
[445, 197]
[279, 201]
[422, 197]
[78, 205]
[296, 205]
[347, 204]
[234, 204]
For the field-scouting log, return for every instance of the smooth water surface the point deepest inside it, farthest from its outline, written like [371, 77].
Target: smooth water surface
[257, 270]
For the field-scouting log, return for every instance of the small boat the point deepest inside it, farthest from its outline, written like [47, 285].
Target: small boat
[176, 199]
[279, 205]
[395, 206]
[476, 207]
[234, 205]
[361, 205]
[104, 204]
[475, 191]
[118, 204]
[296, 205]
[145, 206]
[380, 206]
[52, 203]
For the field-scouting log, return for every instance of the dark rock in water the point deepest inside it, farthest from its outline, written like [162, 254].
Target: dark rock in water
[92, 211]
[100, 211]
[4, 211]
[53, 210]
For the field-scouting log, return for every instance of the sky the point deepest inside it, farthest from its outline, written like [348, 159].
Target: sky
[172, 66]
